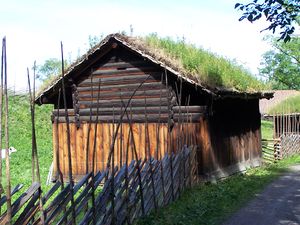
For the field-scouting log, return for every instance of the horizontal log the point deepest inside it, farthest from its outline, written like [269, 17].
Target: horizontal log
[134, 118]
[183, 118]
[122, 64]
[191, 117]
[142, 93]
[189, 109]
[123, 87]
[116, 111]
[123, 70]
[133, 103]
[118, 80]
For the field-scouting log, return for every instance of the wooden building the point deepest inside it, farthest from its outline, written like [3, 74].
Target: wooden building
[166, 110]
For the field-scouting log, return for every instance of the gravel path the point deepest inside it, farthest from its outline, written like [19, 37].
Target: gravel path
[279, 203]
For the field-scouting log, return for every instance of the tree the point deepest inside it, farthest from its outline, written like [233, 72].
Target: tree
[50, 68]
[282, 64]
[282, 15]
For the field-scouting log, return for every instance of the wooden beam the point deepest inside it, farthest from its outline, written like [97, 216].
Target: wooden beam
[133, 103]
[118, 80]
[116, 118]
[126, 70]
[117, 110]
[125, 94]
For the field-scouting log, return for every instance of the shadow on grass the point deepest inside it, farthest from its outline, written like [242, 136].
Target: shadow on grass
[214, 203]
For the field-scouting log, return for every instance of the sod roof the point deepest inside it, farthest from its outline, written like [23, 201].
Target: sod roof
[212, 73]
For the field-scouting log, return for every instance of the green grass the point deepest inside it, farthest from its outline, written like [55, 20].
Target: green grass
[20, 138]
[213, 203]
[290, 105]
[267, 129]
[212, 70]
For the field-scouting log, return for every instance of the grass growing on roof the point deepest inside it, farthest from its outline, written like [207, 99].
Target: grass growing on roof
[210, 69]
[290, 105]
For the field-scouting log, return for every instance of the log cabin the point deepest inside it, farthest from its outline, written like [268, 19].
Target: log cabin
[126, 100]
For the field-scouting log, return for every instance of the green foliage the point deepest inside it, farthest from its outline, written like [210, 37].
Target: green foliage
[282, 64]
[290, 105]
[282, 15]
[210, 204]
[49, 69]
[94, 40]
[267, 129]
[20, 138]
[211, 69]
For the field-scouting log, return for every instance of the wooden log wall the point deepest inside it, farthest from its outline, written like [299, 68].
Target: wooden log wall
[121, 78]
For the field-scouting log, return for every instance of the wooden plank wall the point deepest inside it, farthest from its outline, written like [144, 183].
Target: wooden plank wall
[230, 137]
[151, 140]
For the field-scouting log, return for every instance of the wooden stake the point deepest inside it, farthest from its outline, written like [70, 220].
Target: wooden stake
[137, 159]
[59, 173]
[73, 221]
[93, 158]
[6, 135]
[1, 114]
[121, 119]
[88, 135]
[35, 160]
[32, 141]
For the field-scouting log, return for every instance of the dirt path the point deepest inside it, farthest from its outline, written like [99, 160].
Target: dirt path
[279, 203]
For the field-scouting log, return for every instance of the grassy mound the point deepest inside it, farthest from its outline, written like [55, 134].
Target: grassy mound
[20, 138]
[290, 105]
[210, 69]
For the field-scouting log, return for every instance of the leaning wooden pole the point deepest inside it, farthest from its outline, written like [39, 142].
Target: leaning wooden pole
[137, 159]
[1, 106]
[32, 130]
[88, 134]
[35, 160]
[33, 125]
[119, 124]
[73, 221]
[59, 173]
[94, 157]
[6, 135]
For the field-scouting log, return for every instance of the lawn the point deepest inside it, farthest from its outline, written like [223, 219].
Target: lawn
[210, 204]
[267, 129]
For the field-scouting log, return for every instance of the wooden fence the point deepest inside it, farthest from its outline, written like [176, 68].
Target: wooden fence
[286, 137]
[290, 145]
[115, 196]
[271, 149]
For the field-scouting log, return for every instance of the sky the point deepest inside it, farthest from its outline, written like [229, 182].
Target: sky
[35, 28]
